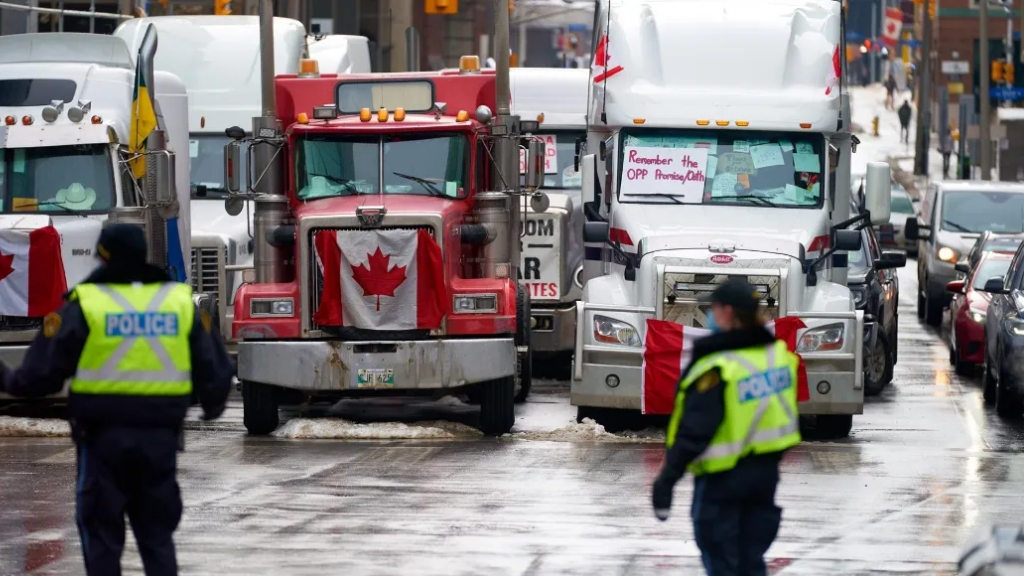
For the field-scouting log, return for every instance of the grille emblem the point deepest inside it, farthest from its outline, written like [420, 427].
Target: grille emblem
[371, 217]
[721, 259]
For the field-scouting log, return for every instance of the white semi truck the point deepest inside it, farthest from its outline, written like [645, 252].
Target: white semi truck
[552, 256]
[719, 146]
[218, 58]
[65, 124]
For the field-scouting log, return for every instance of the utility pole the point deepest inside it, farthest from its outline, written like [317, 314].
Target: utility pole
[874, 41]
[924, 101]
[985, 121]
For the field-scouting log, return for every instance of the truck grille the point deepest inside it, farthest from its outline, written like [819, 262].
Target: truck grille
[683, 290]
[205, 270]
[15, 323]
[316, 277]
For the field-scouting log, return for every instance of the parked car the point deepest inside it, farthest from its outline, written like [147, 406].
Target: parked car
[953, 214]
[891, 235]
[989, 241]
[968, 310]
[1004, 340]
[876, 290]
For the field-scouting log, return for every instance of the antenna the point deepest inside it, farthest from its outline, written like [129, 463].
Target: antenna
[607, 51]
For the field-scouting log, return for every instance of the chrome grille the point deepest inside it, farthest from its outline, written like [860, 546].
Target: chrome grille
[205, 270]
[683, 290]
[14, 323]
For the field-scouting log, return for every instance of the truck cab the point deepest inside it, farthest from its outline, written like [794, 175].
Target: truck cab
[696, 173]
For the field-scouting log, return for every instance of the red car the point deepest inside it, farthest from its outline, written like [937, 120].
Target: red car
[967, 312]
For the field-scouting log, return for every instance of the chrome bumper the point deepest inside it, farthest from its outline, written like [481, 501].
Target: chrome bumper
[335, 365]
[842, 370]
[554, 329]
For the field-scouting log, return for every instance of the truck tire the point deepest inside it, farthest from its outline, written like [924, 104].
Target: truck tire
[524, 372]
[497, 406]
[259, 408]
[879, 366]
[932, 310]
[835, 425]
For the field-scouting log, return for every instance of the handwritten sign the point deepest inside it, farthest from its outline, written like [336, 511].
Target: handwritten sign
[724, 185]
[765, 155]
[680, 172]
[571, 178]
[803, 162]
[804, 148]
[550, 156]
[786, 145]
[735, 163]
[740, 146]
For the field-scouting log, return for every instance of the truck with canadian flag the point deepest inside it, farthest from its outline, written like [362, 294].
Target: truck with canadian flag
[719, 146]
[386, 248]
[88, 134]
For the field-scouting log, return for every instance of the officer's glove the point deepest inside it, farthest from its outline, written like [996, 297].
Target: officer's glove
[213, 413]
[661, 497]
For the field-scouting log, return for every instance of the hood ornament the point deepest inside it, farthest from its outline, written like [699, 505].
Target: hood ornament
[371, 216]
[721, 246]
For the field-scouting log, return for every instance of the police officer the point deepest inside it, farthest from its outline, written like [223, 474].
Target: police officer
[133, 345]
[735, 414]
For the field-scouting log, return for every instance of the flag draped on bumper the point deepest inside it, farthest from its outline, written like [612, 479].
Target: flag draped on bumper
[32, 282]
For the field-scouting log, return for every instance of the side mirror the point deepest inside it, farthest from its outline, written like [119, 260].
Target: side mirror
[588, 165]
[994, 286]
[595, 232]
[956, 287]
[878, 192]
[534, 164]
[233, 205]
[232, 163]
[891, 259]
[962, 267]
[848, 240]
[914, 231]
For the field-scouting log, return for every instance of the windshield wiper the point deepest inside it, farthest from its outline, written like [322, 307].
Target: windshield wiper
[61, 206]
[430, 186]
[957, 226]
[345, 183]
[669, 196]
[760, 199]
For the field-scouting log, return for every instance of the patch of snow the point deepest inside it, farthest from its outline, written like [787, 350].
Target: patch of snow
[590, 431]
[451, 401]
[14, 427]
[338, 429]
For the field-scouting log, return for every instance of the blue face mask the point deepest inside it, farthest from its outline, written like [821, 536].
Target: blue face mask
[712, 325]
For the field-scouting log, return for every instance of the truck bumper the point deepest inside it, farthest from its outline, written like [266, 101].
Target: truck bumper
[336, 366]
[554, 328]
[12, 357]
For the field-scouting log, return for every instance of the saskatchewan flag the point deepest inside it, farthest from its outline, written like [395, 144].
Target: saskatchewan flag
[143, 122]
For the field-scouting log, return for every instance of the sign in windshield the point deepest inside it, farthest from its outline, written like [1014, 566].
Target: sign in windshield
[976, 212]
[559, 166]
[722, 167]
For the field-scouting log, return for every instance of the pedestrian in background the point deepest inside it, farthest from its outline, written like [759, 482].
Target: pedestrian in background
[735, 415]
[904, 114]
[890, 92]
[946, 149]
[133, 345]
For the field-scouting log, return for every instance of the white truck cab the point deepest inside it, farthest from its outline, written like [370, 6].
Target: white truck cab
[65, 117]
[719, 146]
[552, 256]
[218, 58]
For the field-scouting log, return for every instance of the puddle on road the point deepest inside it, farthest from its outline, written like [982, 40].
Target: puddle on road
[15, 427]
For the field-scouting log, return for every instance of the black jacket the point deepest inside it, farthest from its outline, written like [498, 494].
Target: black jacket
[51, 361]
[704, 410]
[904, 114]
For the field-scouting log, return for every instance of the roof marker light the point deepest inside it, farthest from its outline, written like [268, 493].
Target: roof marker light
[639, 120]
[27, 119]
[805, 125]
[469, 64]
[540, 118]
[722, 122]
[399, 114]
[382, 114]
[10, 120]
[462, 116]
[97, 120]
[703, 122]
[742, 123]
[309, 68]
[364, 114]
[302, 118]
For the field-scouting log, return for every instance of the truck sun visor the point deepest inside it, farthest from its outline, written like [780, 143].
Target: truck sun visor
[415, 96]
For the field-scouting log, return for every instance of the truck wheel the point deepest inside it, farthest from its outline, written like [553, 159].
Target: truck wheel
[259, 408]
[1009, 403]
[525, 361]
[932, 310]
[878, 366]
[835, 426]
[497, 406]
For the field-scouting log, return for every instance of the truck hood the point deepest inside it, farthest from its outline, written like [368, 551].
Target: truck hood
[78, 240]
[394, 203]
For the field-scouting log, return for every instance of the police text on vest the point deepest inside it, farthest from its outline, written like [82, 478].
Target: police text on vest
[764, 384]
[142, 325]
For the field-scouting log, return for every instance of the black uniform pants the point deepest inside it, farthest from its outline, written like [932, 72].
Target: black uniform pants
[128, 471]
[735, 518]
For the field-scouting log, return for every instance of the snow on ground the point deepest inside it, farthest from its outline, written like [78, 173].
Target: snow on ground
[338, 429]
[14, 427]
[590, 431]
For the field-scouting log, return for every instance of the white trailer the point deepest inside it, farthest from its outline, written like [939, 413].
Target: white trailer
[719, 146]
[218, 58]
[65, 116]
[552, 256]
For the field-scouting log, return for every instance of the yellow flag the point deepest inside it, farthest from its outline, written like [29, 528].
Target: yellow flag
[143, 122]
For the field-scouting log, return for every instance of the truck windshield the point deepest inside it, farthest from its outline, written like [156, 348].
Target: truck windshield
[559, 166]
[772, 169]
[421, 164]
[77, 178]
[976, 212]
[206, 156]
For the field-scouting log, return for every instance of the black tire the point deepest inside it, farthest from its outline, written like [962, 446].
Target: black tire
[874, 380]
[835, 425]
[895, 341]
[525, 363]
[1009, 402]
[961, 367]
[932, 310]
[988, 385]
[497, 406]
[920, 304]
[259, 408]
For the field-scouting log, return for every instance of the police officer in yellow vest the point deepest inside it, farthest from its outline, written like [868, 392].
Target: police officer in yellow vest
[735, 414]
[134, 346]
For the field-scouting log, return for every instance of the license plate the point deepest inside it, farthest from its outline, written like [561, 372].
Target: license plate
[375, 378]
[544, 323]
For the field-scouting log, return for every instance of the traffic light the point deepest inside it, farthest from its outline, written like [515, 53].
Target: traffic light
[1008, 73]
[997, 71]
[441, 6]
[222, 7]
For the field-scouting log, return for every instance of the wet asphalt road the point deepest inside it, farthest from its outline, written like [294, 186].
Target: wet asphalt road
[926, 465]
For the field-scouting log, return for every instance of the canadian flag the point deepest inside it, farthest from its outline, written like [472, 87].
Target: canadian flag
[600, 69]
[893, 25]
[380, 279]
[32, 282]
[833, 73]
[667, 350]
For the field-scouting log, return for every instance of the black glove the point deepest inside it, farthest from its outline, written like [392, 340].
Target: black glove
[214, 413]
[661, 497]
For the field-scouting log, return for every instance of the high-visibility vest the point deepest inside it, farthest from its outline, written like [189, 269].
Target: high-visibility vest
[138, 342]
[760, 405]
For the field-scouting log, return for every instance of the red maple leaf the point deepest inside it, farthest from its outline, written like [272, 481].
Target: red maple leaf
[377, 280]
[5, 265]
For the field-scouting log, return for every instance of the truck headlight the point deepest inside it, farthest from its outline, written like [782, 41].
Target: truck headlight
[860, 297]
[947, 254]
[828, 337]
[976, 315]
[271, 307]
[614, 331]
[475, 304]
